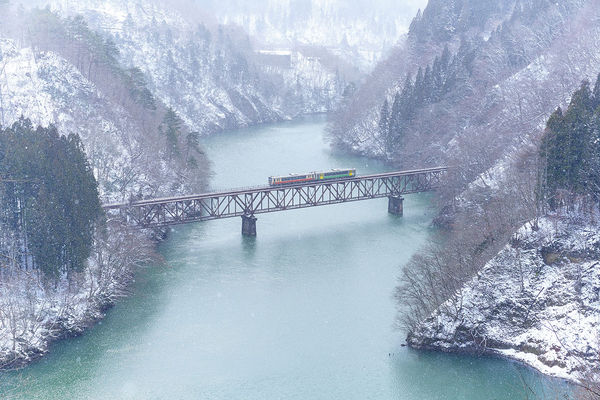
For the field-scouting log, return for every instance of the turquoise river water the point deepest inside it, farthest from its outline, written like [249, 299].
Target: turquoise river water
[303, 311]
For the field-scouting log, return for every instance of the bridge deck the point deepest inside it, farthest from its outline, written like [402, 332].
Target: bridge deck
[263, 199]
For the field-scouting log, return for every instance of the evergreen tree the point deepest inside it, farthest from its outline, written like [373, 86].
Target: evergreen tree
[384, 125]
[395, 118]
[193, 147]
[395, 125]
[110, 54]
[446, 58]
[437, 80]
[593, 171]
[451, 75]
[139, 90]
[349, 92]
[577, 138]
[171, 128]
[79, 204]
[128, 24]
[418, 93]
[596, 94]
[594, 161]
[407, 105]
[550, 151]
[428, 86]
[570, 148]
[53, 203]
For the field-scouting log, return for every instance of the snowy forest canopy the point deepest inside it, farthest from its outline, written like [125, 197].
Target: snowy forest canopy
[49, 203]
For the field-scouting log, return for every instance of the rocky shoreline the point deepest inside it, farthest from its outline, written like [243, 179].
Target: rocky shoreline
[66, 328]
[537, 302]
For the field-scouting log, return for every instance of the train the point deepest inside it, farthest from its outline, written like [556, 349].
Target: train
[312, 177]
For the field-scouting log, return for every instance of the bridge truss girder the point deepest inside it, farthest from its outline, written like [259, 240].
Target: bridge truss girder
[173, 211]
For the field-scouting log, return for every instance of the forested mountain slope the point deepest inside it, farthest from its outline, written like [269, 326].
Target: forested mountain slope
[473, 79]
[210, 74]
[136, 79]
[480, 102]
[48, 89]
[61, 264]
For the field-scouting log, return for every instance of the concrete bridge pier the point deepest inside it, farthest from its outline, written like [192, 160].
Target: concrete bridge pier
[248, 225]
[396, 205]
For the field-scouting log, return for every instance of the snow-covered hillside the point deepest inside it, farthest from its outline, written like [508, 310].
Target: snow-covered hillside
[215, 85]
[537, 301]
[509, 82]
[47, 89]
[484, 112]
[211, 76]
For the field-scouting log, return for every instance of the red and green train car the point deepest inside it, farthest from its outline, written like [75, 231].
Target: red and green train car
[312, 177]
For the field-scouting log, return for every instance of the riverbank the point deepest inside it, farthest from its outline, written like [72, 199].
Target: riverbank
[537, 302]
[59, 321]
[35, 313]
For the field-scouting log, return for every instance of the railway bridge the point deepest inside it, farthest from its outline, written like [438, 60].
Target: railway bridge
[248, 202]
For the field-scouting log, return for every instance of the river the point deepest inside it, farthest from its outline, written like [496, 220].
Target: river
[303, 311]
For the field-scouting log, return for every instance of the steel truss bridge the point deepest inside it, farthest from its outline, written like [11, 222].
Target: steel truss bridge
[248, 202]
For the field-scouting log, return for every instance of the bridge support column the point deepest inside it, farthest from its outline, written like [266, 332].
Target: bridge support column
[396, 205]
[248, 225]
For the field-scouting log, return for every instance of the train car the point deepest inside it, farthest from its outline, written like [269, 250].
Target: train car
[336, 174]
[313, 176]
[291, 179]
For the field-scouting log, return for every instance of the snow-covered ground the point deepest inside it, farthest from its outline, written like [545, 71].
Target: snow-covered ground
[35, 312]
[537, 301]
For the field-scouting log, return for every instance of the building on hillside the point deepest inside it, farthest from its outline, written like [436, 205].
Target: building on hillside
[276, 58]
